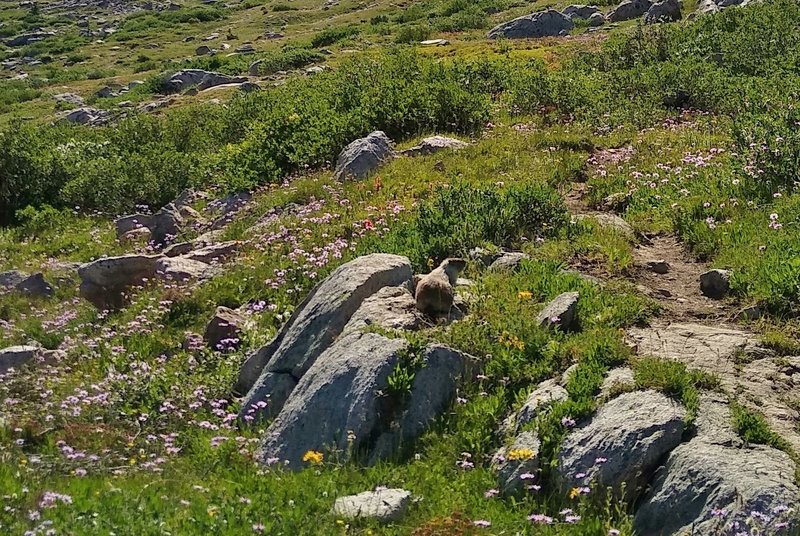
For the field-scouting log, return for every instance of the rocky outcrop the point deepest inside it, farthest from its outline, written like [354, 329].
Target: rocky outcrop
[629, 9]
[215, 253]
[198, 79]
[344, 406]
[714, 482]
[760, 379]
[363, 156]
[561, 313]
[617, 380]
[548, 23]
[434, 144]
[382, 505]
[389, 308]
[320, 318]
[86, 116]
[664, 11]
[622, 444]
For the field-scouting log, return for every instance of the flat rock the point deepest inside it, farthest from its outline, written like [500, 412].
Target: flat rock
[321, 317]
[383, 505]
[389, 308]
[69, 98]
[215, 253]
[183, 269]
[434, 144]
[713, 482]
[632, 433]
[561, 312]
[363, 156]
[548, 23]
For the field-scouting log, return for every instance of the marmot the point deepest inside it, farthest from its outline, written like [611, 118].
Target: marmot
[434, 291]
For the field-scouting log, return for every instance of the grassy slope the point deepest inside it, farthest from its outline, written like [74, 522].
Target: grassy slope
[96, 428]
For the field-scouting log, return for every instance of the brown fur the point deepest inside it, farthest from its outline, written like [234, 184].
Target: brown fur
[434, 291]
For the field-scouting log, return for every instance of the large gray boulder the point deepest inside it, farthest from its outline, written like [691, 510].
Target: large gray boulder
[664, 11]
[104, 281]
[548, 23]
[344, 405]
[16, 356]
[126, 224]
[631, 433]
[320, 318]
[383, 505]
[561, 312]
[363, 156]
[200, 79]
[714, 481]
[629, 9]
[335, 399]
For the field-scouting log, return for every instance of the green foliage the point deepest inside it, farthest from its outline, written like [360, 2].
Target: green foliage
[333, 35]
[270, 62]
[753, 428]
[673, 379]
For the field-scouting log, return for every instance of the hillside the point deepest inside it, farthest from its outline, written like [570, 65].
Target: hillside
[425, 268]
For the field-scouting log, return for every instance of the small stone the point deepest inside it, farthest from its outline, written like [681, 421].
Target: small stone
[382, 505]
[715, 283]
[618, 380]
[510, 261]
[560, 313]
[658, 266]
[224, 330]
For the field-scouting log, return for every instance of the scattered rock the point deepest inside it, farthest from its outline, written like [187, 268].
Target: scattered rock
[224, 329]
[597, 19]
[202, 50]
[245, 48]
[16, 356]
[363, 156]
[560, 313]
[166, 224]
[632, 433]
[545, 394]
[517, 464]
[509, 261]
[86, 116]
[28, 38]
[659, 266]
[715, 283]
[383, 505]
[104, 281]
[576, 11]
[610, 221]
[618, 379]
[215, 253]
[140, 235]
[434, 144]
[35, 285]
[12, 278]
[629, 9]
[69, 98]
[434, 42]
[548, 23]
[320, 318]
[715, 473]
[484, 256]
[434, 292]
[664, 11]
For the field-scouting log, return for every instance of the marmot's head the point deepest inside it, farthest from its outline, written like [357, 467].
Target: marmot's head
[452, 267]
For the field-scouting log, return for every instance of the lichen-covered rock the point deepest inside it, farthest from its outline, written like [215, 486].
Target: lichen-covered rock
[623, 443]
[517, 464]
[548, 23]
[509, 261]
[363, 156]
[715, 283]
[389, 308]
[434, 144]
[383, 505]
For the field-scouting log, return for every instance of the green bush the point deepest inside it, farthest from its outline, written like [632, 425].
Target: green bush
[334, 35]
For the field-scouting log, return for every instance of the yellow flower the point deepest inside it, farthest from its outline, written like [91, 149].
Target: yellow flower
[132, 461]
[212, 511]
[574, 492]
[23, 461]
[312, 456]
[525, 295]
[520, 454]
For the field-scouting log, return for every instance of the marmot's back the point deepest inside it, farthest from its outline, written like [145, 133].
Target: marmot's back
[434, 294]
